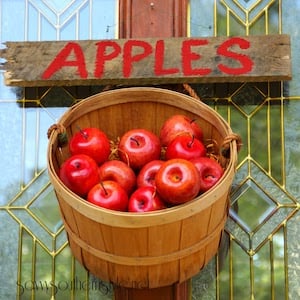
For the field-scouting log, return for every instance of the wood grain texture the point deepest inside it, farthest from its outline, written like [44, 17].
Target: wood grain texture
[148, 18]
[27, 61]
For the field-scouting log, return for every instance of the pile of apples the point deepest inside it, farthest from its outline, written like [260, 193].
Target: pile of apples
[142, 171]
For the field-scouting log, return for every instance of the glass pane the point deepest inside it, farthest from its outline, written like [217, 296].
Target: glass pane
[259, 253]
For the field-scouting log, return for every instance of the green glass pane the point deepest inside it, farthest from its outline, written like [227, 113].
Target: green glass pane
[241, 176]
[292, 247]
[292, 138]
[26, 274]
[236, 28]
[81, 278]
[274, 191]
[276, 141]
[238, 231]
[262, 273]
[270, 225]
[239, 125]
[274, 17]
[43, 285]
[34, 227]
[204, 284]
[258, 27]
[64, 283]
[60, 239]
[45, 207]
[30, 191]
[259, 137]
[241, 288]
[221, 21]
[278, 254]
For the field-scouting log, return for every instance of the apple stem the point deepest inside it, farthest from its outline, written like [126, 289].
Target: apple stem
[84, 134]
[104, 189]
[191, 142]
[77, 164]
[135, 140]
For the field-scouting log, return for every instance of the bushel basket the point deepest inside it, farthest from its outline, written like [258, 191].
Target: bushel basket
[153, 249]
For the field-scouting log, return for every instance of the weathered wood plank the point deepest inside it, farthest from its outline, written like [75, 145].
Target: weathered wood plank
[148, 61]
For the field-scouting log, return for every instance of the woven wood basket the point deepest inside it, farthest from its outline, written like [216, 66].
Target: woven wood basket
[152, 249]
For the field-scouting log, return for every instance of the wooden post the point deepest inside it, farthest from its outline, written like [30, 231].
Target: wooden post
[180, 291]
[152, 18]
[146, 19]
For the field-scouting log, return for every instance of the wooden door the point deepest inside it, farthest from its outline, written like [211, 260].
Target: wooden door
[152, 18]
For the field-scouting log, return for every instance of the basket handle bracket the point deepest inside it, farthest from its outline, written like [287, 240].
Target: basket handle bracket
[61, 133]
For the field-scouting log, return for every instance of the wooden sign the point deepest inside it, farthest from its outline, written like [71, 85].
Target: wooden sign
[148, 61]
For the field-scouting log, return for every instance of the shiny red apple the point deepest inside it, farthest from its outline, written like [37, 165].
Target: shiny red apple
[210, 172]
[120, 172]
[177, 181]
[145, 199]
[109, 194]
[179, 125]
[79, 173]
[146, 176]
[185, 146]
[90, 141]
[139, 146]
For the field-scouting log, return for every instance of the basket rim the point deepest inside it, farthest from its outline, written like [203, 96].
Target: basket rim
[127, 219]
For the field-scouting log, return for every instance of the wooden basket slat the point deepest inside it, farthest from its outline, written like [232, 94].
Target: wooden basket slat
[132, 276]
[164, 274]
[130, 242]
[188, 266]
[100, 267]
[69, 220]
[194, 228]
[164, 239]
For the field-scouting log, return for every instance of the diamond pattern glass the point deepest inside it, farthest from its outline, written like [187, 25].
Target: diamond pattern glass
[259, 253]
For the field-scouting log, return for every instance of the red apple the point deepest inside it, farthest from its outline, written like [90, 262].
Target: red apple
[90, 141]
[139, 146]
[185, 146]
[178, 125]
[120, 172]
[145, 199]
[109, 194]
[79, 173]
[146, 176]
[177, 181]
[210, 172]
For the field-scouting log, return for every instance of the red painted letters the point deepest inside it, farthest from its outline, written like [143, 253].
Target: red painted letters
[61, 61]
[131, 54]
[159, 60]
[129, 57]
[102, 56]
[244, 60]
[188, 56]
